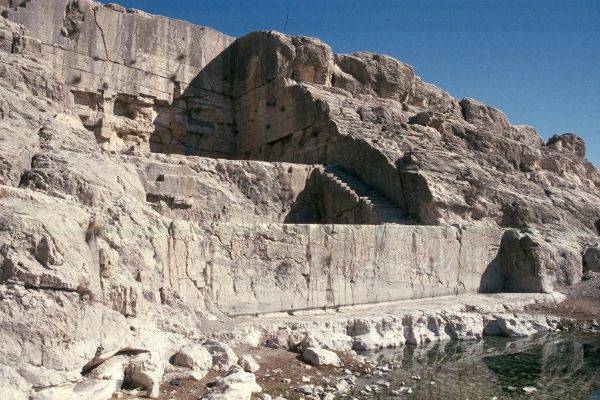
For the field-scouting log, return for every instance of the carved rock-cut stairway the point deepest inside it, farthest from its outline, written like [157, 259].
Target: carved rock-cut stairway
[381, 206]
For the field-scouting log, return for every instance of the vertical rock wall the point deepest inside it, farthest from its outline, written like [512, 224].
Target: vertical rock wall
[248, 269]
[122, 70]
[129, 51]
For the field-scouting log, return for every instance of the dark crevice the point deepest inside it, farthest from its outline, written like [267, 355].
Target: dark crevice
[50, 288]
[405, 207]
[17, 44]
[169, 200]
[463, 111]
[98, 359]
[25, 174]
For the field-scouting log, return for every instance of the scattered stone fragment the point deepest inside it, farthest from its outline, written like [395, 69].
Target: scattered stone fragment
[223, 356]
[529, 389]
[306, 389]
[318, 357]
[236, 386]
[145, 371]
[383, 383]
[249, 364]
[404, 389]
[342, 386]
[195, 357]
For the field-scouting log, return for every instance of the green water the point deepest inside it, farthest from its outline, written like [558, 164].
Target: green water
[558, 366]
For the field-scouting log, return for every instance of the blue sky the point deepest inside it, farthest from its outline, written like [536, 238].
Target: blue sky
[536, 60]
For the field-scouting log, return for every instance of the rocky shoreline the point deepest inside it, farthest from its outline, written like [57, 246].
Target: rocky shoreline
[321, 355]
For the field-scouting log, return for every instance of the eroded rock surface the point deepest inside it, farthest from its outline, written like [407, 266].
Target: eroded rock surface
[158, 179]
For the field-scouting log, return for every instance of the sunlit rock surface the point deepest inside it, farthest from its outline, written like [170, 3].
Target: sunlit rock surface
[159, 180]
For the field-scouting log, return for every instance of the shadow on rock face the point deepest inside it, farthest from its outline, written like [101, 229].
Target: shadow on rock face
[493, 278]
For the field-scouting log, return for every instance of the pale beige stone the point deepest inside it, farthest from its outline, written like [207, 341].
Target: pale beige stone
[151, 190]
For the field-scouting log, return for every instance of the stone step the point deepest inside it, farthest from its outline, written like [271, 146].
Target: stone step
[377, 201]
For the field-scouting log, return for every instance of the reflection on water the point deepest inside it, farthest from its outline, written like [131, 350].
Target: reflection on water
[550, 367]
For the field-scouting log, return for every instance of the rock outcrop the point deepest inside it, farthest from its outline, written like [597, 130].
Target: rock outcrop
[159, 180]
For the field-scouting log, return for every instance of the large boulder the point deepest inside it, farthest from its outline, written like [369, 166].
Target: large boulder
[223, 357]
[527, 262]
[319, 357]
[195, 356]
[145, 371]
[534, 261]
[237, 386]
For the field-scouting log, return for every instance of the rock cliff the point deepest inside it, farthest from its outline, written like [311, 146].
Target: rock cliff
[157, 176]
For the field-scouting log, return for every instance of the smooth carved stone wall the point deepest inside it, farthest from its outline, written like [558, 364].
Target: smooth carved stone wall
[133, 259]
[281, 122]
[247, 269]
[126, 74]
[274, 117]
[131, 51]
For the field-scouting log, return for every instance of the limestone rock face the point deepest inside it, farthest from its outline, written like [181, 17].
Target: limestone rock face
[209, 190]
[438, 159]
[158, 179]
[568, 143]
